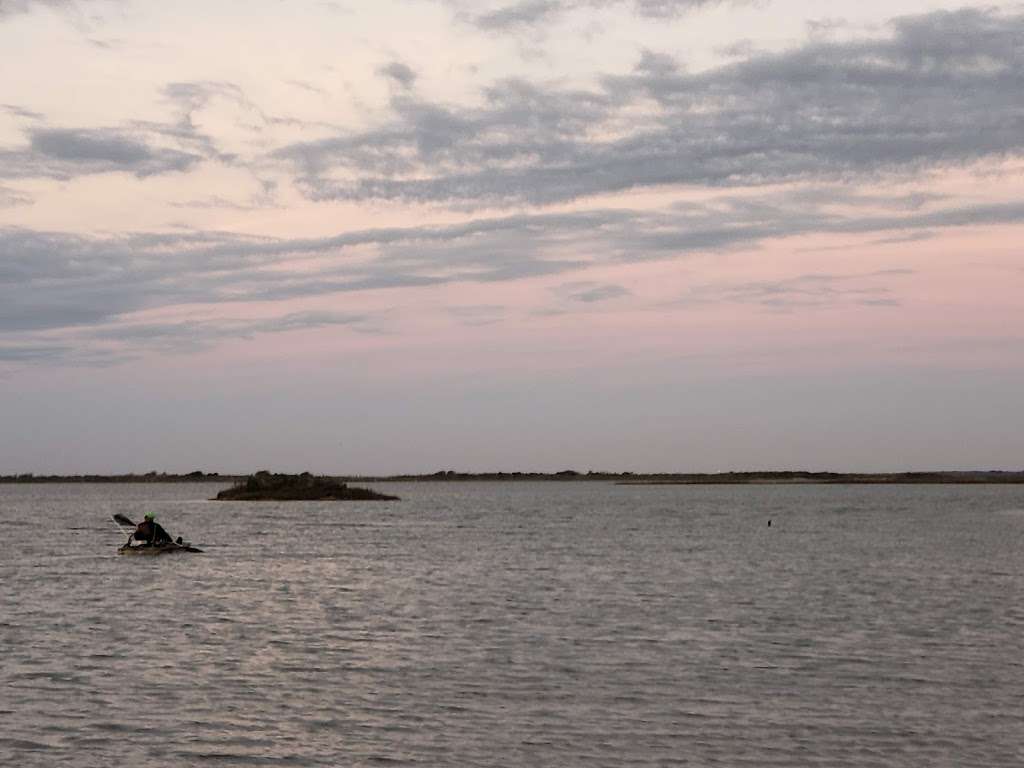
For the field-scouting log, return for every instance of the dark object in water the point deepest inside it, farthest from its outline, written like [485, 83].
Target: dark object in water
[264, 486]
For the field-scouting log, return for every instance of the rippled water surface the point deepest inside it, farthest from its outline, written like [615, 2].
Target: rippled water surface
[532, 624]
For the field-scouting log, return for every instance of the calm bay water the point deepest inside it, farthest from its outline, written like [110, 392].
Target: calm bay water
[533, 624]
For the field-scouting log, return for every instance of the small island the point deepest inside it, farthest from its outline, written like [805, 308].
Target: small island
[265, 486]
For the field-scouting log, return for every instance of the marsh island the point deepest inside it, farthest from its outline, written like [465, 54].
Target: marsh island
[265, 486]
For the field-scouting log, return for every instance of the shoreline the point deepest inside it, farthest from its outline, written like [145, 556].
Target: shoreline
[954, 477]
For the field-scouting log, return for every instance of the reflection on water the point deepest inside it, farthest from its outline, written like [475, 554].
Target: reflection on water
[535, 624]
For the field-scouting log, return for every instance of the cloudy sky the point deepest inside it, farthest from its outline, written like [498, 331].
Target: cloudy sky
[411, 235]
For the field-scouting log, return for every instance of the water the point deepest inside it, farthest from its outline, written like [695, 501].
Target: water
[534, 624]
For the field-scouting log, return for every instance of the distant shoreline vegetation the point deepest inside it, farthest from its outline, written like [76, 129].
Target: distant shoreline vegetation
[726, 478]
[622, 478]
[131, 477]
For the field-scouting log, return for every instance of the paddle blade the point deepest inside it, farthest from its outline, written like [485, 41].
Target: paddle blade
[122, 520]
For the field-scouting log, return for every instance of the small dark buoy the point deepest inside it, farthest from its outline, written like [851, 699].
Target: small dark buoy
[769, 523]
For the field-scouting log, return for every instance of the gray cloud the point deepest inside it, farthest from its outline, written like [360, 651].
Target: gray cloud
[937, 90]
[528, 14]
[21, 112]
[590, 292]
[304, 85]
[192, 335]
[478, 314]
[57, 353]
[262, 198]
[54, 280]
[25, 353]
[912, 237]
[732, 222]
[66, 153]
[106, 45]
[188, 99]
[14, 7]
[655, 64]
[81, 14]
[11, 197]
[143, 147]
[191, 96]
[217, 202]
[522, 14]
[801, 292]
[106, 149]
[399, 73]
[664, 9]
[106, 345]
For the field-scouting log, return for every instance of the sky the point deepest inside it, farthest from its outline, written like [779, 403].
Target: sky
[362, 237]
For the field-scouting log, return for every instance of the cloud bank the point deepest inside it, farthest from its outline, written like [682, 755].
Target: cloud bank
[808, 127]
[938, 90]
[54, 281]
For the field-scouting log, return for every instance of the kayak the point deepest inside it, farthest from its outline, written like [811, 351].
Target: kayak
[167, 548]
[156, 549]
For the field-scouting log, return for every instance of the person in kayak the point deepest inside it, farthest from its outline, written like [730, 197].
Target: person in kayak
[151, 532]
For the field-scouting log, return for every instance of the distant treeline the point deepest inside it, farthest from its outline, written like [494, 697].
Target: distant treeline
[721, 478]
[626, 478]
[148, 477]
[826, 478]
